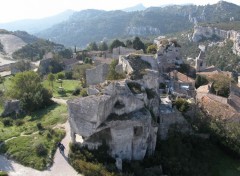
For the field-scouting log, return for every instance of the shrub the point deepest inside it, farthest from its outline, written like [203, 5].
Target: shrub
[84, 93]
[68, 74]
[182, 104]
[76, 91]
[7, 122]
[39, 126]
[41, 150]
[19, 122]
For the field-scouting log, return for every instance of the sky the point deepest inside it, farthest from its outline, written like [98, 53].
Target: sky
[12, 10]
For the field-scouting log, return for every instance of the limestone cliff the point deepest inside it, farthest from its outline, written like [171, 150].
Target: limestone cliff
[201, 32]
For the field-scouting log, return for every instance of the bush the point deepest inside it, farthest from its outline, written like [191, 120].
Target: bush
[19, 122]
[84, 93]
[41, 150]
[39, 126]
[7, 122]
[76, 91]
[182, 104]
[68, 74]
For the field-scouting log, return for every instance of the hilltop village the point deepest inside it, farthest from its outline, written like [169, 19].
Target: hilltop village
[129, 102]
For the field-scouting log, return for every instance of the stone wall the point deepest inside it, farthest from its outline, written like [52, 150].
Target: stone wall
[124, 51]
[97, 75]
[173, 118]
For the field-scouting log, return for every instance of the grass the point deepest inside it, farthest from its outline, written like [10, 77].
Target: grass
[68, 86]
[27, 136]
[20, 147]
[2, 173]
[48, 117]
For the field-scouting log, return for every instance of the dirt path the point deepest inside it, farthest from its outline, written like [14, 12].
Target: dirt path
[60, 165]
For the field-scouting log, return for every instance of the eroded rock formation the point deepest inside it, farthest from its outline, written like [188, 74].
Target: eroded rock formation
[201, 32]
[120, 117]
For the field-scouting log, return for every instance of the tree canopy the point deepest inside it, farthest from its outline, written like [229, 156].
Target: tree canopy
[152, 49]
[92, 46]
[138, 44]
[116, 43]
[27, 87]
[221, 85]
[103, 46]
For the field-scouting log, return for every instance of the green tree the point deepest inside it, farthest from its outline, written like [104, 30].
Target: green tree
[27, 87]
[92, 46]
[79, 72]
[129, 44]
[66, 53]
[51, 78]
[103, 46]
[60, 75]
[152, 49]
[116, 43]
[112, 74]
[200, 80]
[138, 44]
[221, 85]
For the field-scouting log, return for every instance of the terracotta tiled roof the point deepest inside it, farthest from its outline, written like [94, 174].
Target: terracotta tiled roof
[181, 77]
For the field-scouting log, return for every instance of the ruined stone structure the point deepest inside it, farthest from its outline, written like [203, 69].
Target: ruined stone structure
[97, 75]
[118, 117]
[200, 63]
[124, 51]
[168, 55]
[124, 114]
[170, 116]
[234, 97]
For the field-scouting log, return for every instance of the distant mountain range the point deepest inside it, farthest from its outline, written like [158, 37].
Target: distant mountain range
[33, 26]
[83, 27]
[138, 7]
[95, 25]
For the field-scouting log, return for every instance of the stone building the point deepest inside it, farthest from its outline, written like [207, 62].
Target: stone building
[119, 118]
[168, 55]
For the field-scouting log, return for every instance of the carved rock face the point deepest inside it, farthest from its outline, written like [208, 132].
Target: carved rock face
[117, 117]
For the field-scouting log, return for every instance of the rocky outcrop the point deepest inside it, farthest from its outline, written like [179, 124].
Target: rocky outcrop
[201, 33]
[10, 107]
[97, 75]
[142, 30]
[118, 117]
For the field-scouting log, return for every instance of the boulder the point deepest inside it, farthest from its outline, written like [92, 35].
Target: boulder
[10, 107]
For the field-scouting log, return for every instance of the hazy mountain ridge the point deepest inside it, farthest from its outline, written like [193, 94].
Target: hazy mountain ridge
[95, 25]
[35, 25]
[138, 7]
